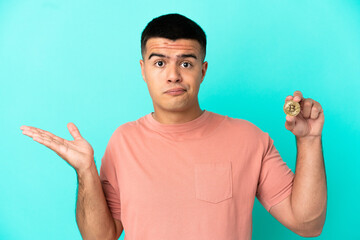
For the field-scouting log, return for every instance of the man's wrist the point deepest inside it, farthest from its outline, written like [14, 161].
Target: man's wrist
[86, 171]
[308, 140]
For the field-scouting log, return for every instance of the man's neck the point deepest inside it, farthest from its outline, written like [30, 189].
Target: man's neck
[177, 117]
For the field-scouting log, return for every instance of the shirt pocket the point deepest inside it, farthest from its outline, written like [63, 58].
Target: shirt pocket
[213, 181]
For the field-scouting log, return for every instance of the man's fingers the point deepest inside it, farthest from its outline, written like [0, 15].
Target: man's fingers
[290, 122]
[315, 110]
[298, 96]
[34, 134]
[49, 142]
[74, 131]
[24, 127]
[314, 113]
[46, 138]
[32, 131]
[288, 98]
[306, 107]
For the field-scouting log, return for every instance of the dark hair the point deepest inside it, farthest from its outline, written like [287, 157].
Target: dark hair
[173, 26]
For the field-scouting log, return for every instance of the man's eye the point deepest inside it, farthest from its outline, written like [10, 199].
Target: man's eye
[186, 64]
[159, 63]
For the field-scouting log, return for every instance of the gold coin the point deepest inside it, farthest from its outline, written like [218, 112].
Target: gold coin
[292, 108]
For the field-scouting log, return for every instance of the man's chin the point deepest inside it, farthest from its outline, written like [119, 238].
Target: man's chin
[176, 108]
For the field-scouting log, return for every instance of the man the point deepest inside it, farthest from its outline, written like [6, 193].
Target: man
[185, 173]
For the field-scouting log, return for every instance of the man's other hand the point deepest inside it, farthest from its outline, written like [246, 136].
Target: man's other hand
[309, 122]
[78, 153]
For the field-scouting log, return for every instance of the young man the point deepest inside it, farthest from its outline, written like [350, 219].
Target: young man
[181, 172]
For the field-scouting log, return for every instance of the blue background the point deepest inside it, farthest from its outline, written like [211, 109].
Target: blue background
[78, 61]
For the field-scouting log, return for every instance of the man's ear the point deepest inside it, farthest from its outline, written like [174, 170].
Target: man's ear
[142, 65]
[203, 70]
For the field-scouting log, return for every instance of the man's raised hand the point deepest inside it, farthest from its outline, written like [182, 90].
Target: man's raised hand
[78, 153]
[309, 122]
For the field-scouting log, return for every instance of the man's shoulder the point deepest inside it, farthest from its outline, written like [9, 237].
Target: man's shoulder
[245, 129]
[241, 124]
[127, 127]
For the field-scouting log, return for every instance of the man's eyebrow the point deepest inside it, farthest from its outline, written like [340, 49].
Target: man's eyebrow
[179, 56]
[157, 55]
[187, 56]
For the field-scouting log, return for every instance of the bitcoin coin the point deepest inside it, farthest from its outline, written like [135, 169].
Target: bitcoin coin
[292, 108]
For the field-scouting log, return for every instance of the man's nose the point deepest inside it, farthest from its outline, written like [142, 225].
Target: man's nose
[173, 73]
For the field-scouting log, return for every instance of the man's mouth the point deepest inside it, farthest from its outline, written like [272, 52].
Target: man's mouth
[175, 90]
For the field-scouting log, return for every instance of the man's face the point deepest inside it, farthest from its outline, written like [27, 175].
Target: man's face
[171, 64]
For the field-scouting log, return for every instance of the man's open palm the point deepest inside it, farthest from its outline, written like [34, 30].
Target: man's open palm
[78, 153]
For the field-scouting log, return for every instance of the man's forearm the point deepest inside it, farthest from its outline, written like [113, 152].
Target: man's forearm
[309, 193]
[92, 213]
